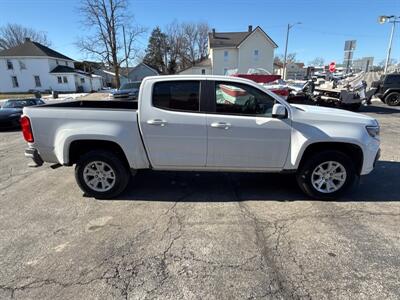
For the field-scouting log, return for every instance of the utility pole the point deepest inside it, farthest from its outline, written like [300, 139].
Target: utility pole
[126, 54]
[289, 26]
[393, 20]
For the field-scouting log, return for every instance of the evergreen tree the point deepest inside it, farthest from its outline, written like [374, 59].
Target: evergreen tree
[156, 52]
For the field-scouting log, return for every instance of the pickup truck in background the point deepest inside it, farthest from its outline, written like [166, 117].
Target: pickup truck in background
[202, 123]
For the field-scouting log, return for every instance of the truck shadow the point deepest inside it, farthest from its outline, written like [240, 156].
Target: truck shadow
[381, 109]
[382, 185]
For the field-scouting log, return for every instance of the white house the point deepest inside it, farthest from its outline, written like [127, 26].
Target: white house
[236, 52]
[33, 66]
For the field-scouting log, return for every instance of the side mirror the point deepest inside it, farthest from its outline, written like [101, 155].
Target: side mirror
[279, 111]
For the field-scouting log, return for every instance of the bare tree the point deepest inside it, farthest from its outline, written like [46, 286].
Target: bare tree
[12, 35]
[202, 39]
[107, 18]
[318, 61]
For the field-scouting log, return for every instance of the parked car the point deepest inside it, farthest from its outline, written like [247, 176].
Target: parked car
[388, 89]
[128, 91]
[11, 111]
[198, 123]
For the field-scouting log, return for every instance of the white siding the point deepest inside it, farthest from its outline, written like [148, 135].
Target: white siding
[219, 63]
[256, 41]
[196, 71]
[26, 77]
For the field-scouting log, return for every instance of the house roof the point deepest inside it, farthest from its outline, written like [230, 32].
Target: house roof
[29, 48]
[233, 39]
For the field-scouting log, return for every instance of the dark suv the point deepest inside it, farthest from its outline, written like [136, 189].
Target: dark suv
[388, 89]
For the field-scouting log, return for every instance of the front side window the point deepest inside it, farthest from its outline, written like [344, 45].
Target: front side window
[177, 95]
[37, 81]
[241, 99]
[14, 80]
[65, 79]
[59, 79]
[9, 65]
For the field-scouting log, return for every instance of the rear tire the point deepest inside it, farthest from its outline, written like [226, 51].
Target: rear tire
[393, 99]
[102, 174]
[326, 175]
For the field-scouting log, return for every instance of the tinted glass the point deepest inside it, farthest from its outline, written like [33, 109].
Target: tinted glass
[19, 103]
[131, 85]
[241, 99]
[392, 79]
[177, 95]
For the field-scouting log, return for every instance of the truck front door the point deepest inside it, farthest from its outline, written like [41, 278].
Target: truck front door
[174, 130]
[242, 134]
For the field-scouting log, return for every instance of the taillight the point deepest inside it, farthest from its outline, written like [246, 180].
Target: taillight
[26, 129]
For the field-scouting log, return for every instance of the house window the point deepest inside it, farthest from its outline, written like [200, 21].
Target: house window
[82, 80]
[22, 65]
[57, 62]
[37, 81]
[203, 71]
[256, 55]
[226, 55]
[9, 65]
[59, 79]
[14, 81]
[225, 71]
[65, 79]
[66, 63]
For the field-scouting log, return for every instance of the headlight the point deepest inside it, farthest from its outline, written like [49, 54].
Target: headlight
[373, 131]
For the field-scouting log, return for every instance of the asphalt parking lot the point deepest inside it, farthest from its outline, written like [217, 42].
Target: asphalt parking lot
[199, 235]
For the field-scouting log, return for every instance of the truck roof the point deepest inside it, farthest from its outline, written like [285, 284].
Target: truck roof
[198, 77]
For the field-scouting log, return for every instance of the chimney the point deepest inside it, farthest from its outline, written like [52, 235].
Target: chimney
[250, 28]
[27, 39]
[213, 32]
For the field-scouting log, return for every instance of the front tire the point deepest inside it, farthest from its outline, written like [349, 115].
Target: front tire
[101, 174]
[393, 99]
[326, 175]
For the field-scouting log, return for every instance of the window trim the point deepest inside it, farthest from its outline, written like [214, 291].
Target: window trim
[213, 100]
[180, 110]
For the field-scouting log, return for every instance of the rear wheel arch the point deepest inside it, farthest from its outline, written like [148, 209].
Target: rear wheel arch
[79, 148]
[353, 151]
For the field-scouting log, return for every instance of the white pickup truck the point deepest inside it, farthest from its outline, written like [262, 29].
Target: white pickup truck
[202, 123]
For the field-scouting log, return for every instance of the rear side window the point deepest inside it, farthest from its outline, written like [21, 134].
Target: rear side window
[177, 95]
[390, 79]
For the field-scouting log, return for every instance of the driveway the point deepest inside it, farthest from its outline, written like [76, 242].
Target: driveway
[199, 235]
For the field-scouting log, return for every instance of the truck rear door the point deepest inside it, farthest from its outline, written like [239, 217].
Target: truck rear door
[173, 126]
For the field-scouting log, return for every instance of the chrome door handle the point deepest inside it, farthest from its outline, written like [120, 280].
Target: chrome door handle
[222, 125]
[157, 122]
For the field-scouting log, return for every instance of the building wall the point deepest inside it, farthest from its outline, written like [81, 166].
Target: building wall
[34, 67]
[25, 77]
[220, 63]
[140, 72]
[196, 71]
[247, 59]
[69, 86]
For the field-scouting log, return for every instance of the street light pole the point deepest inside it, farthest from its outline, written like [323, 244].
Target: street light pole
[390, 46]
[289, 26]
[393, 20]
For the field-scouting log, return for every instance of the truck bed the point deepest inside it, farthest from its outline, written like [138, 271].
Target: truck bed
[107, 104]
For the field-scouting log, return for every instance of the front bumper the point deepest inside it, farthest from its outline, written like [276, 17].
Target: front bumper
[33, 154]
